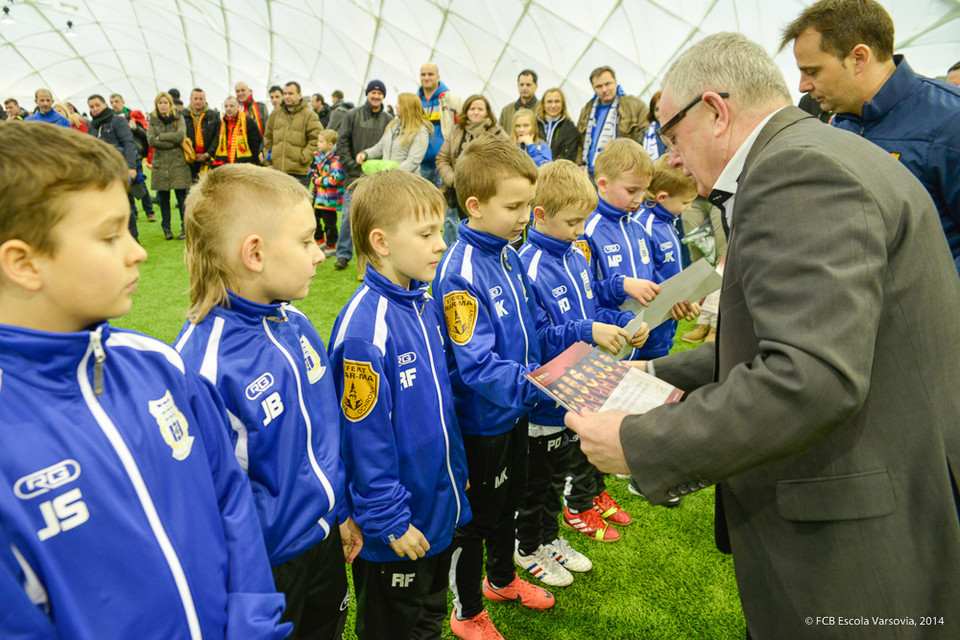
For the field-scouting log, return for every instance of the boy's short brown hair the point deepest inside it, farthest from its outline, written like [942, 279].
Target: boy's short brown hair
[41, 163]
[222, 200]
[620, 158]
[563, 185]
[385, 199]
[330, 135]
[669, 179]
[484, 163]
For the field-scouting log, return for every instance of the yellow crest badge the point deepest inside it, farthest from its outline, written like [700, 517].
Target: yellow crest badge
[360, 387]
[584, 247]
[173, 425]
[460, 310]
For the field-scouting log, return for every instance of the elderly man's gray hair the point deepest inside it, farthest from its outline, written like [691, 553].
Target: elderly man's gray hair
[727, 62]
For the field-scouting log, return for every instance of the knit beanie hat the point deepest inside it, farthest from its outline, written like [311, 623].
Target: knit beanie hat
[376, 85]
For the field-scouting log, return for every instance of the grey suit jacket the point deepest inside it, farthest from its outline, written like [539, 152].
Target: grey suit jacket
[834, 420]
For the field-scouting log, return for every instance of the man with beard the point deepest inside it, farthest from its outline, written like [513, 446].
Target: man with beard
[256, 110]
[114, 130]
[361, 128]
[239, 139]
[203, 125]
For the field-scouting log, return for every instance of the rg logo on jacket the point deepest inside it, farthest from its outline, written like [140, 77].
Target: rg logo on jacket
[360, 386]
[173, 425]
[460, 310]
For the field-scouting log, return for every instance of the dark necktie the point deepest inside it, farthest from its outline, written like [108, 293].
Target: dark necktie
[717, 198]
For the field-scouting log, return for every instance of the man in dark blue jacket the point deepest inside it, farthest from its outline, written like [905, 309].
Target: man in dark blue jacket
[114, 130]
[844, 50]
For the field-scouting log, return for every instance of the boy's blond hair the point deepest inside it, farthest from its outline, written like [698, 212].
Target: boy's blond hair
[330, 135]
[621, 158]
[42, 163]
[484, 163]
[223, 200]
[386, 199]
[669, 179]
[563, 185]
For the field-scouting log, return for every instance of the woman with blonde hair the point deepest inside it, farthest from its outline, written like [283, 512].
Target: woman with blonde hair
[406, 137]
[525, 134]
[170, 170]
[556, 128]
[76, 122]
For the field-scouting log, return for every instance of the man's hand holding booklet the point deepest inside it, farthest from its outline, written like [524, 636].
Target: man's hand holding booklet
[583, 377]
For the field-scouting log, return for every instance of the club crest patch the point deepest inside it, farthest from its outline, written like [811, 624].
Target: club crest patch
[360, 386]
[584, 247]
[315, 369]
[460, 310]
[644, 252]
[173, 425]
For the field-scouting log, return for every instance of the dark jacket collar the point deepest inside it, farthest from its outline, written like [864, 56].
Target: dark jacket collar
[897, 87]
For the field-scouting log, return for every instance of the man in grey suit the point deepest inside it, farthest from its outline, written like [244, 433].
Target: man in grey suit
[828, 406]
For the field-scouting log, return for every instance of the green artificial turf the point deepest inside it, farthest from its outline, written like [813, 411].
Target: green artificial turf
[663, 579]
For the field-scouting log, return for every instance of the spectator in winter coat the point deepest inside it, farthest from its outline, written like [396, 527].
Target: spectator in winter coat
[256, 110]
[203, 126]
[406, 137]
[610, 114]
[556, 128]
[527, 88]
[112, 129]
[290, 138]
[166, 132]
[239, 139]
[361, 128]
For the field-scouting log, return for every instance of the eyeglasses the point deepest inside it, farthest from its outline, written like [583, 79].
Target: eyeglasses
[669, 141]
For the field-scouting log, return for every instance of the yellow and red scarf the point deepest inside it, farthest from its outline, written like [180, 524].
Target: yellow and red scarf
[254, 109]
[233, 144]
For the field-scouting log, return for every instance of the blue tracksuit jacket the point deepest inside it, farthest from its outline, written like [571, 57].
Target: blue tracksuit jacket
[270, 366]
[401, 442]
[619, 247]
[563, 289]
[491, 325]
[123, 513]
[917, 119]
[660, 226]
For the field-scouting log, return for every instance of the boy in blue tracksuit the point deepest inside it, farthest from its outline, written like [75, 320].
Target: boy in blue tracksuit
[249, 250]
[619, 245]
[402, 448]
[490, 327]
[670, 194]
[563, 289]
[123, 512]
